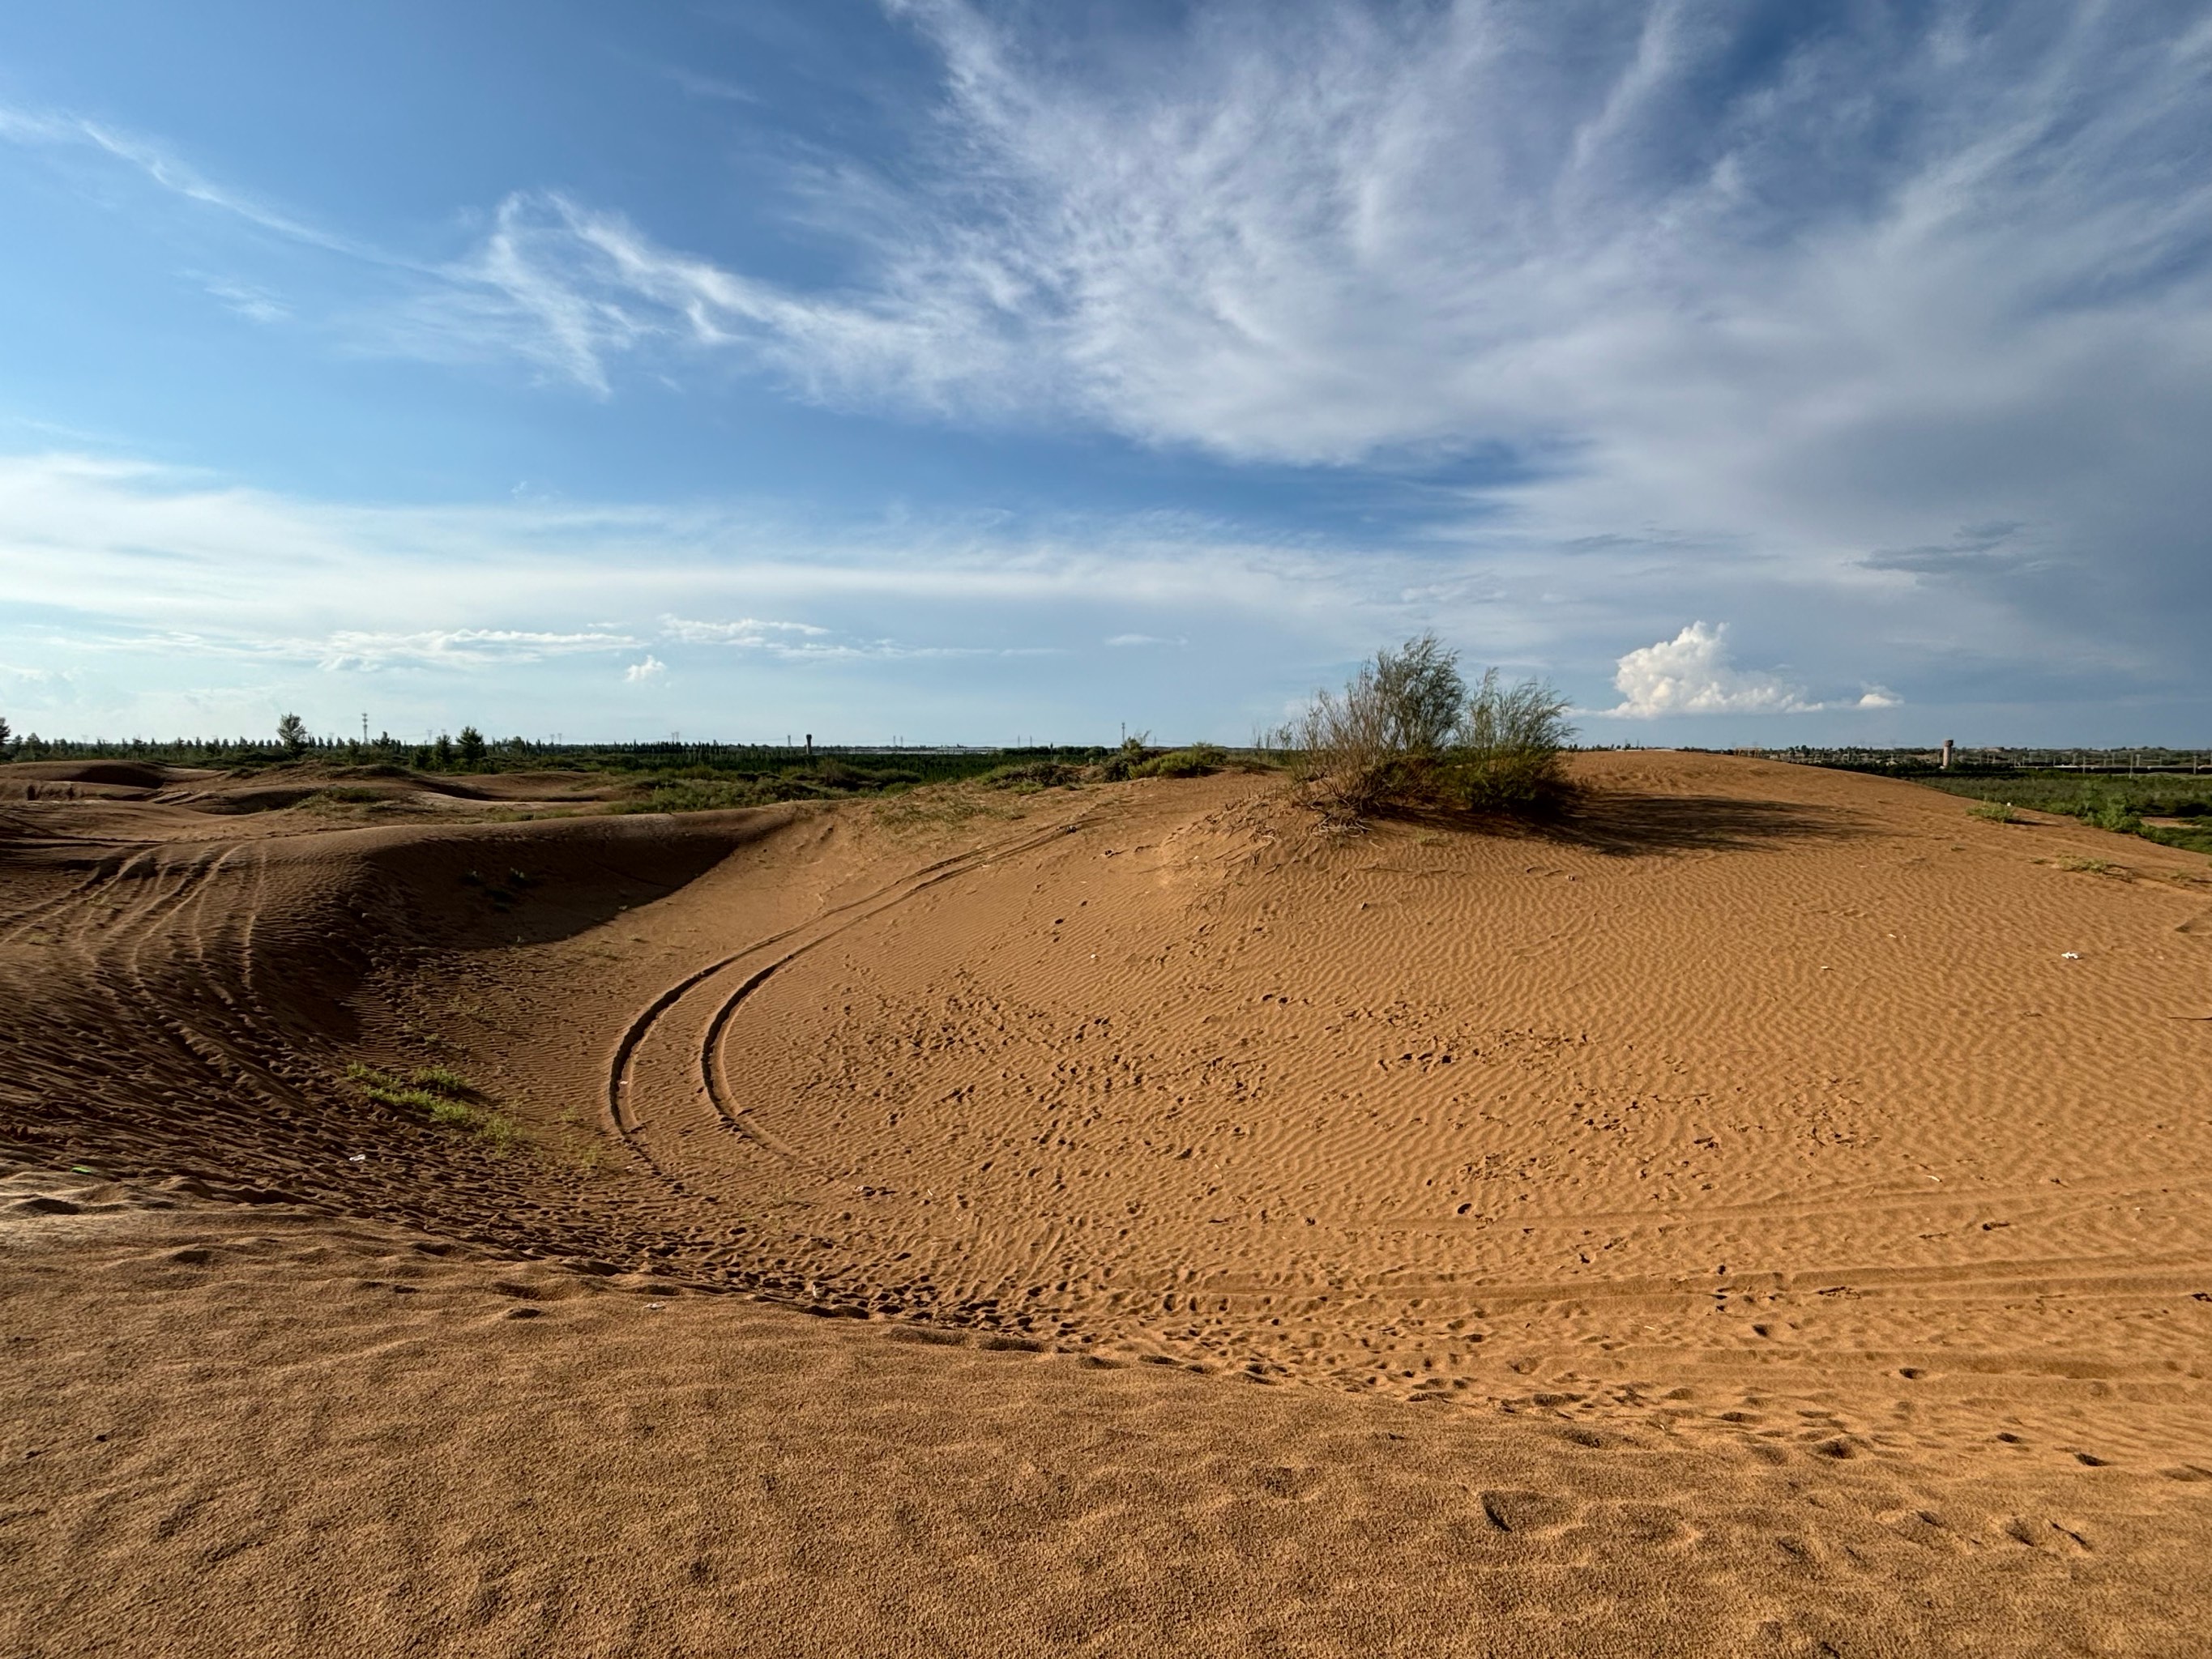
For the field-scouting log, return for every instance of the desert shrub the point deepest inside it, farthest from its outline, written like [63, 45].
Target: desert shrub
[2113, 812]
[1135, 750]
[1505, 753]
[1422, 696]
[1031, 774]
[1406, 730]
[1195, 762]
[1996, 811]
[1344, 760]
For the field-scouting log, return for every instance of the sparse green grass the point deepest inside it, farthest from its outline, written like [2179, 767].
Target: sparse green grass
[441, 1094]
[2104, 802]
[447, 1081]
[1995, 812]
[1025, 777]
[712, 795]
[1195, 762]
[2092, 866]
[944, 804]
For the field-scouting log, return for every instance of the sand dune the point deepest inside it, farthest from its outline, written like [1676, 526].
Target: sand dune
[1766, 1209]
[334, 789]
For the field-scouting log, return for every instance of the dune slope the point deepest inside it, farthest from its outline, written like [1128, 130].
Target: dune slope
[1766, 1194]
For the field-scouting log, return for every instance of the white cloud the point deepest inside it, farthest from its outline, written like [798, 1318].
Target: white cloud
[750, 631]
[143, 577]
[1918, 309]
[1691, 674]
[155, 162]
[128, 583]
[256, 305]
[1906, 278]
[459, 647]
[652, 668]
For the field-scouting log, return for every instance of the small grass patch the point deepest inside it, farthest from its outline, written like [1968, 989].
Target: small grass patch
[2093, 866]
[948, 805]
[715, 795]
[441, 1094]
[1026, 777]
[443, 1079]
[344, 796]
[1995, 812]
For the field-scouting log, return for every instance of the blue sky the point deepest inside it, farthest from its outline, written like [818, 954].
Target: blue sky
[943, 371]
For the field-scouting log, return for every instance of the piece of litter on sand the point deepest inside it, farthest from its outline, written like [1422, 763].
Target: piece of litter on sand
[2070, 956]
[654, 1307]
[358, 1158]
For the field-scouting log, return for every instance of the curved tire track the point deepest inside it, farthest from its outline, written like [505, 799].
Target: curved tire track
[708, 1076]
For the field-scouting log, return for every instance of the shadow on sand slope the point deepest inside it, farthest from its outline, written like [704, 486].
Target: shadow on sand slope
[1623, 824]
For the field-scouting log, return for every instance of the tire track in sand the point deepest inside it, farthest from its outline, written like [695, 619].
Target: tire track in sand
[704, 1076]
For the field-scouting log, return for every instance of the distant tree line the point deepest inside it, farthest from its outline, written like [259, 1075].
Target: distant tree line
[470, 750]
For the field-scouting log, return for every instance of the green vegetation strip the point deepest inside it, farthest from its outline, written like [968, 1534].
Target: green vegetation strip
[2119, 804]
[441, 1095]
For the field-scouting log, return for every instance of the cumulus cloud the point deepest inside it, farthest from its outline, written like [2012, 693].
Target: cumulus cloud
[1691, 674]
[639, 673]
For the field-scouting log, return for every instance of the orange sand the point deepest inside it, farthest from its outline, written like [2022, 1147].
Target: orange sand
[1765, 1211]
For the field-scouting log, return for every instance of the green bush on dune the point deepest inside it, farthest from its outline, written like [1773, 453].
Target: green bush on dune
[1407, 732]
[1195, 762]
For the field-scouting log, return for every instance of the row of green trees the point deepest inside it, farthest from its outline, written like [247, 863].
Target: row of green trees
[468, 751]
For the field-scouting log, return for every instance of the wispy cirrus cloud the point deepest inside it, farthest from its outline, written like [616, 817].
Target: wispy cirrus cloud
[154, 161]
[1778, 313]
[460, 646]
[752, 632]
[1732, 284]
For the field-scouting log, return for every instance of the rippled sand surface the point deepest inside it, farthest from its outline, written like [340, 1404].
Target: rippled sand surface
[1763, 1212]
